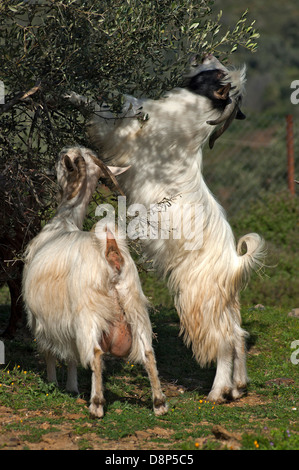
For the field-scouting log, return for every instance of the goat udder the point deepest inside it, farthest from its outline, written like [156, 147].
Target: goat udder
[118, 341]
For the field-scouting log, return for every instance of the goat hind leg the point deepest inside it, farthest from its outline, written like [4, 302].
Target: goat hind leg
[240, 378]
[222, 386]
[97, 400]
[159, 400]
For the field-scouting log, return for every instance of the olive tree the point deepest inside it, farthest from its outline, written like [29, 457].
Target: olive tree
[101, 49]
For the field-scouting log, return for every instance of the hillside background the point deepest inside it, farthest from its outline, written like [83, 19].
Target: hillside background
[276, 63]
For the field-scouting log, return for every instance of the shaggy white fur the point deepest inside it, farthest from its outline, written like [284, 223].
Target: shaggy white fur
[82, 291]
[164, 152]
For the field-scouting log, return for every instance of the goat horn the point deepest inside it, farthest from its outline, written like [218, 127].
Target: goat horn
[225, 115]
[79, 167]
[223, 128]
[231, 112]
[107, 173]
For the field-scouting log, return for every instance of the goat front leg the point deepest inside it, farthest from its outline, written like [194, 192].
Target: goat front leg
[159, 400]
[97, 400]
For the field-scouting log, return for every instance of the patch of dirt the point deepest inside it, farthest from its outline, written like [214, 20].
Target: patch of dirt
[232, 440]
[63, 436]
[250, 399]
[279, 381]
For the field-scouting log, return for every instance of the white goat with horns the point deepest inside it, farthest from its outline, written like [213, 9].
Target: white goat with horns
[165, 157]
[82, 291]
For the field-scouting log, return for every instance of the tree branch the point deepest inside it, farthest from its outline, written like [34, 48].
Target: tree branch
[20, 97]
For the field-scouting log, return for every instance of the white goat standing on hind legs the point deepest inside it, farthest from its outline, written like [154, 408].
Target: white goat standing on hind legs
[82, 291]
[165, 157]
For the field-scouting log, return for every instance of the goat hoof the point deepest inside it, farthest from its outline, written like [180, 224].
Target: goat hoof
[161, 409]
[220, 396]
[219, 399]
[238, 392]
[96, 411]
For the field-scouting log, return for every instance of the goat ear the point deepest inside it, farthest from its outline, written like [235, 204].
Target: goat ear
[117, 170]
[223, 92]
[113, 254]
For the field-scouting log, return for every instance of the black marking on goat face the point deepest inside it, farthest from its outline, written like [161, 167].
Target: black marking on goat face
[209, 83]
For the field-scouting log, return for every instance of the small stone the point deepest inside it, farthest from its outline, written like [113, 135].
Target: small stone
[224, 435]
[259, 307]
[294, 313]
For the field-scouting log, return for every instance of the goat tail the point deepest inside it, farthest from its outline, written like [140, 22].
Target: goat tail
[254, 257]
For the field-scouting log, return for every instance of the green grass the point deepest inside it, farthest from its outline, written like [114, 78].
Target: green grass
[31, 410]
[266, 419]
[275, 217]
